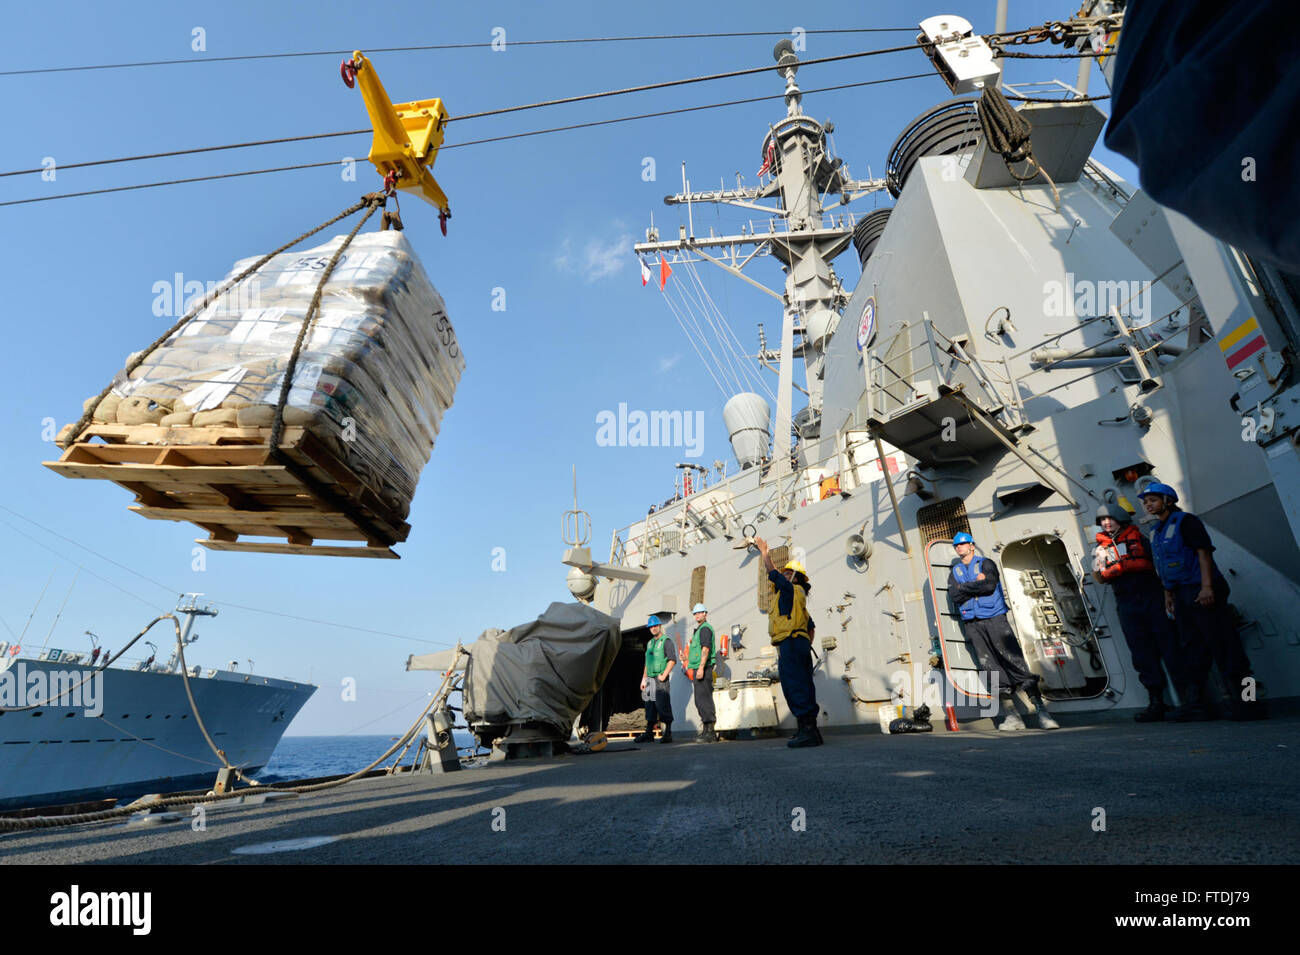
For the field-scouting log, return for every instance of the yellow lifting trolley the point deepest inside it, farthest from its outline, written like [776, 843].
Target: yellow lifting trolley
[407, 136]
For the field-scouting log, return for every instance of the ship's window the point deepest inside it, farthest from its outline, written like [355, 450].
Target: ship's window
[167, 717]
[69, 716]
[697, 586]
[126, 716]
[149, 716]
[185, 716]
[38, 713]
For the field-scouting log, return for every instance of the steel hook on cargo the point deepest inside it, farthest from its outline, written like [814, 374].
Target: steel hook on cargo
[348, 70]
[390, 182]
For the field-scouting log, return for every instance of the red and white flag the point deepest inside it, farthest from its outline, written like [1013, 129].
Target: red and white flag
[769, 159]
[645, 274]
[664, 271]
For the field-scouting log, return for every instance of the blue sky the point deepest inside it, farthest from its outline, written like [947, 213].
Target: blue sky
[549, 219]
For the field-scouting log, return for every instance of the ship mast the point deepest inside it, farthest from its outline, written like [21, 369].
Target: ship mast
[803, 176]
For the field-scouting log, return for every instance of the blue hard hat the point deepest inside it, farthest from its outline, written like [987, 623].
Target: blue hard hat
[1155, 487]
[654, 621]
[962, 538]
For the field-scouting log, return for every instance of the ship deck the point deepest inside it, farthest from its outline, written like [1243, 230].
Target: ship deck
[1221, 793]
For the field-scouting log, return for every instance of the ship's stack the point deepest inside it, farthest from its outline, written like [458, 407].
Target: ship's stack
[188, 430]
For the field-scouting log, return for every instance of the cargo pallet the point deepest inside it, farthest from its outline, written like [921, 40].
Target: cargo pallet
[230, 483]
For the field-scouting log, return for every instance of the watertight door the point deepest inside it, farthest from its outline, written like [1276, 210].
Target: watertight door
[959, 663]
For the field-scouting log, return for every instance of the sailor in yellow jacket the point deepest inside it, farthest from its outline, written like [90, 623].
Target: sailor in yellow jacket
[791, 631]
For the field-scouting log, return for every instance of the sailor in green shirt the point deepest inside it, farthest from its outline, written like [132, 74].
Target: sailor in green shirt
[660, 658]
[700, 659]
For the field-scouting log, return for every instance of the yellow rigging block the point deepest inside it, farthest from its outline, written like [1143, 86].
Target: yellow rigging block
[407, 135]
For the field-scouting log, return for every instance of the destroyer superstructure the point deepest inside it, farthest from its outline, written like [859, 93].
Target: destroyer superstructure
[1022, 346]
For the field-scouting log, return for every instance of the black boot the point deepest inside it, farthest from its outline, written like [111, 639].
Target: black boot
[1193, 709]
[1241, 710]
[708, 736]
[807, 735]
[1155, 711]
[668, 733]
[648, 736]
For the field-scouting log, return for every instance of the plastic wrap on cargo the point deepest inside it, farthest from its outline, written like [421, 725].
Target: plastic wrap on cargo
[374, 377]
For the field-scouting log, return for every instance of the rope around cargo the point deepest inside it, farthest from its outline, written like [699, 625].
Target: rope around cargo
[371, 200]
[54, 822]
[374, 200]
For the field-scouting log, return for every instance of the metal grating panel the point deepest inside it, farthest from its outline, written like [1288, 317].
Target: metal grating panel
[697, 586]
[942, 520]
[779, 556]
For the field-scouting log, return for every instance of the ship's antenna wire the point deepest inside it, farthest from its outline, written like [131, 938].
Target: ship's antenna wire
[440, 46]
[34, 606]
[710, 309]
[685, 291]
[707, 367]
[690, 293]
[725, 334]
[61, 606]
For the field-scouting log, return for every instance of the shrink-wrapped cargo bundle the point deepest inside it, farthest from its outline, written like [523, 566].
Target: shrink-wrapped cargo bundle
[375, 374]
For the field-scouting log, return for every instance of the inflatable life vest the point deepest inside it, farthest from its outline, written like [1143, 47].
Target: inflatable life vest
[694, 652]
[656, 657]
[1176, 563]
[795, 625]
[977, 608]
[1125, 553]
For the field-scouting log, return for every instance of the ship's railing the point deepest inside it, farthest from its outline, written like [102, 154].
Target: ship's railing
[1043, 89]
[765, 228]
[721, 511]
[890, 392]
[1102, 180]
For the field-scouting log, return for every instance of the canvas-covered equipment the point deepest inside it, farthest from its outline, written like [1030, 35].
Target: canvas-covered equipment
[548, 670]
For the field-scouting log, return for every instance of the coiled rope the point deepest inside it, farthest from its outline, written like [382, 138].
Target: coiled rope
[1007, 133]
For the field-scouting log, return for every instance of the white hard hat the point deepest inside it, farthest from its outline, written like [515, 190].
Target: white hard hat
[700, 608]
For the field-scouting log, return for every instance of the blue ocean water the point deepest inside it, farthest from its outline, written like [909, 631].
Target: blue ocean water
[305, 757]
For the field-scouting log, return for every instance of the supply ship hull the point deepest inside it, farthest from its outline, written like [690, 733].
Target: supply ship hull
[145, 739]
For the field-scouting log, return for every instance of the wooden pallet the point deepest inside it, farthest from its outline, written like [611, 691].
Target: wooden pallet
[228, 482]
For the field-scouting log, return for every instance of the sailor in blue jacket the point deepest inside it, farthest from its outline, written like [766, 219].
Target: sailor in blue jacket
[1196, 596]
[975, 587]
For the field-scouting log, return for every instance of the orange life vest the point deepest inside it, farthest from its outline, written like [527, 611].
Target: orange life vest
[1125, 553]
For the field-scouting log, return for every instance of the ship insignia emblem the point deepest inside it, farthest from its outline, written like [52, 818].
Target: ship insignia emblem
[867, 324]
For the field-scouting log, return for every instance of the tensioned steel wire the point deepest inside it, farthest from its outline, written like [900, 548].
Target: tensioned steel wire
[474, 142]
[191, 61]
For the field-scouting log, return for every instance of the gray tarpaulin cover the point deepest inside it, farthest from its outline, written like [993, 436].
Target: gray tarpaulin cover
[546, 670]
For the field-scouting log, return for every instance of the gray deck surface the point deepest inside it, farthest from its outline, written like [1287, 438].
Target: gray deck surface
[1209, 793]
